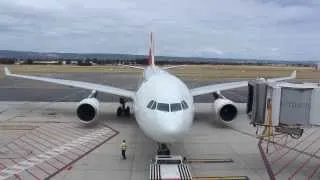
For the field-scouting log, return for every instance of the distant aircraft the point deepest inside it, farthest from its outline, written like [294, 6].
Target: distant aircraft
[163, 105]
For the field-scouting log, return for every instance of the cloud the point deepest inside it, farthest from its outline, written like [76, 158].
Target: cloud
[211, 50]
[229, 28]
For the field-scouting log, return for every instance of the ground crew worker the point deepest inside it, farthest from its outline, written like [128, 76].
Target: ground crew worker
[123, 149]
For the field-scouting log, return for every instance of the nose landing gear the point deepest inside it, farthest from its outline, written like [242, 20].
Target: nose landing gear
[163, 150]
[123, 110]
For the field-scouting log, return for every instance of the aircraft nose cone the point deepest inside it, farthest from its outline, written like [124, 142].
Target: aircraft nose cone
[174, 127]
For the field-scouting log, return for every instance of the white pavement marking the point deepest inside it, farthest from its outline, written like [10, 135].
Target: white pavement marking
[38, 159]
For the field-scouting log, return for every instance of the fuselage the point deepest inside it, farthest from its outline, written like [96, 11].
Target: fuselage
[163, 106]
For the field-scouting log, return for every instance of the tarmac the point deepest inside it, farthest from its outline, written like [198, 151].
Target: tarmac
[60, 148]
[41, 137]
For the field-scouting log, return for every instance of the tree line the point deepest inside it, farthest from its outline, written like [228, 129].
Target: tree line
[138, 61]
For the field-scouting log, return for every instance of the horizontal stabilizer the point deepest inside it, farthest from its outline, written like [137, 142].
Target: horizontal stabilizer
[173, 67]
[130, 66]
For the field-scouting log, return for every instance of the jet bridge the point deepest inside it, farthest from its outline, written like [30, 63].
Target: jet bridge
[285, 106]
[286, 110]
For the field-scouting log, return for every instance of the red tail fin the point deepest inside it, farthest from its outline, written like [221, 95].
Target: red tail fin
[149, 57]
[151, 51]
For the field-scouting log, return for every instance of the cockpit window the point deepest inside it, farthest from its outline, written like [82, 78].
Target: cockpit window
[154, 105]
[163, 107]
[175, 107]
[150, 104]
[184, 105]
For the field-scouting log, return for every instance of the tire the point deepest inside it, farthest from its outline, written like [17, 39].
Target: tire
[119, 111]
[127, 111]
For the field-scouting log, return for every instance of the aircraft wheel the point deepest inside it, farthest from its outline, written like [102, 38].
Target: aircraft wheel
[119, 111]
[163, 150]
[127, 111]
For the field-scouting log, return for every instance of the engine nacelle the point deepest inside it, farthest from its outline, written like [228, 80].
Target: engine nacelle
[88, 110]
[225, 109]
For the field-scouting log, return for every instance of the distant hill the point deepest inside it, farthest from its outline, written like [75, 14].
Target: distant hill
[23, 55]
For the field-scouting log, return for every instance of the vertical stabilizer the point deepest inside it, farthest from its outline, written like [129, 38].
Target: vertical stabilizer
[151, 51]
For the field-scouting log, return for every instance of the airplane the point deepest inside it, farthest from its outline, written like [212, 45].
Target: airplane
[163, 105]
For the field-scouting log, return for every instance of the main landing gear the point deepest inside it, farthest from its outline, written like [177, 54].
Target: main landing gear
[123, 110]
[163, 150]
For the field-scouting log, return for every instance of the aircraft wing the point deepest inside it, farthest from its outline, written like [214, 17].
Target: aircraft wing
[232, 85]
[79, 84]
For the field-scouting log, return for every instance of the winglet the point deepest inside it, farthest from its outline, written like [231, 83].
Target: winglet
[294, 74]
[7, 71]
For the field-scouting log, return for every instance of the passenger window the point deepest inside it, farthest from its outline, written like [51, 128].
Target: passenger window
[163, 107]
[184, 105]
[175, 107]
[154, 105]
[150, 104]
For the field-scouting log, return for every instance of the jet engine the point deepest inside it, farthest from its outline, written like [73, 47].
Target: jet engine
[224, 108]
[88, 110]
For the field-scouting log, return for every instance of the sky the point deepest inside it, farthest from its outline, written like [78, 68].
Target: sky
[254, 29]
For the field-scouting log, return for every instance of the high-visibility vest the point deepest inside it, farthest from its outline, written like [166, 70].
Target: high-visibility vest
[124, 146]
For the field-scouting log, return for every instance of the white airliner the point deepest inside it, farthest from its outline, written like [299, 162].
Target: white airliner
[163, 105]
